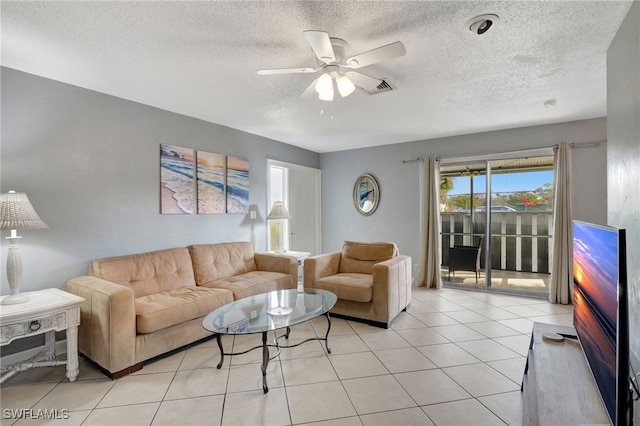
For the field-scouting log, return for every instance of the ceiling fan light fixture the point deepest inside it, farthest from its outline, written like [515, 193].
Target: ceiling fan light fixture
[345, 86]
[324, 83]
[326, 94]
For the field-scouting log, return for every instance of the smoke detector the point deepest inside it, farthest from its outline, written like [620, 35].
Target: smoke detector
[481, 24]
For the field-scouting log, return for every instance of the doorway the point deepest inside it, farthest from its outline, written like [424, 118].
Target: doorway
[298, 187]
[496, 220]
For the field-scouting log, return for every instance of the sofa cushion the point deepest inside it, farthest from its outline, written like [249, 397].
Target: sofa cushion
[165, 309]
[147, 273]
[348, 286]
[360, 257]
[252, 283]
[223, 260]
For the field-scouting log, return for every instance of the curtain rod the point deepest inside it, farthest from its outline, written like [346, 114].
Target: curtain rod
[419, 159]
[532, 151]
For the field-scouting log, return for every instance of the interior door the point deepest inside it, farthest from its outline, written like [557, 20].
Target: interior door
[302, 210]
[299, 188]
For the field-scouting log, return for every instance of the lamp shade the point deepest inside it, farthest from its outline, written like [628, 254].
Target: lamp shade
[345, 86]
[16, 212]
[324, 87]
[278, 211]
[324, 83]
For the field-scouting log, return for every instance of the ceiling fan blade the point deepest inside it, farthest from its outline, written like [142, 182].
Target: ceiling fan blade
[311, 90]
[379, 54]
[321, 45]
[363, 81]
[287, 71]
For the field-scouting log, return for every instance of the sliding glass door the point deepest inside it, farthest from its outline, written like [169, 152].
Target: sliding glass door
[496, 218]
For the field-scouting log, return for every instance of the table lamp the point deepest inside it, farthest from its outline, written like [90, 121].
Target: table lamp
[16, 212]
[278, 213]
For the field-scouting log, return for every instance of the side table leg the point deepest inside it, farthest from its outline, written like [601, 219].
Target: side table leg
[72, 353]
[50, 345]
[265, 361]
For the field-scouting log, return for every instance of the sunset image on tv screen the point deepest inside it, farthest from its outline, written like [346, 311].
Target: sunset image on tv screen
[595, 277]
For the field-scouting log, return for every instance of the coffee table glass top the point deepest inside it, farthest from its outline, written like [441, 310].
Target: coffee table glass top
[269, 311]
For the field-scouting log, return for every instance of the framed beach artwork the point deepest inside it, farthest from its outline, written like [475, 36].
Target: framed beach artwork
[237, 185]
[176, 180]
[210, 182]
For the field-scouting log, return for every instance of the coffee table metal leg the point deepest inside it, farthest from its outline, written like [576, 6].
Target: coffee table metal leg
[265, 361]
[326, 336]
[219, 340]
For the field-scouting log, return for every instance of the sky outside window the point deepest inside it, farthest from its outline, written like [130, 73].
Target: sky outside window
[503, 182]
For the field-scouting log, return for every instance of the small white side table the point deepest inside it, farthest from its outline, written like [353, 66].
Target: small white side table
[47, 311]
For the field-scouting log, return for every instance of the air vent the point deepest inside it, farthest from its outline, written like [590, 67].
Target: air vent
[380, 88]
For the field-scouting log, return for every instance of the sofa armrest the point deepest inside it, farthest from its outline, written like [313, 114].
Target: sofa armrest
[278, 263]
[392, 285]
[320, 266]
[107, 331]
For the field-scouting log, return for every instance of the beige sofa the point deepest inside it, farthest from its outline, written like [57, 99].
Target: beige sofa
[143, 305]
[372, 280]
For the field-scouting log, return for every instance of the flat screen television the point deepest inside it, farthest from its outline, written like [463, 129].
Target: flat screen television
[601, 316]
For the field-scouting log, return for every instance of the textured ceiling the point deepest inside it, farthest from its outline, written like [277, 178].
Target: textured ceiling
[200, 59]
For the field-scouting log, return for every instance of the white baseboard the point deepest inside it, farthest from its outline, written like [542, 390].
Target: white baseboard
[61, 348]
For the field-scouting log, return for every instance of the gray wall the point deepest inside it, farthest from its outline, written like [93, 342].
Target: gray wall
[397, 216]
[89, 163]
[623, 158]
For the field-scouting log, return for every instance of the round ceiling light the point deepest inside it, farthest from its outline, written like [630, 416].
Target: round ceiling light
[481, 24]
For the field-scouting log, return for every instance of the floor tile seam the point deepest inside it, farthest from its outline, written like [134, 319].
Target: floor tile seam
[226, 385]
[479, 396]
[335, 371]
[146, 402]
[458, 340]
[226, 367]
[56, 384]
[97, 403]
[284, 387]
[467, 352]
[370, 375]
[182, 398]
[520, 332]
[490, 410]
[344, 389]
[128, 405]
[446, 402]
[328, 420]
[401, 387]
[511, 349]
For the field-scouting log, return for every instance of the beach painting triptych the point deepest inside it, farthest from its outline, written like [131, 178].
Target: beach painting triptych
[221, 183]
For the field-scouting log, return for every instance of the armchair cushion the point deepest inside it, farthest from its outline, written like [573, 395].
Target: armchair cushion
[360, 257]
[348, 286]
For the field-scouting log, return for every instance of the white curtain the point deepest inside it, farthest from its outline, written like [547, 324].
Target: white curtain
[561, 287]
[430, 253]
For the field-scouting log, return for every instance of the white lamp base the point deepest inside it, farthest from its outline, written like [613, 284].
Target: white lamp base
[14, 272]
[14, 299]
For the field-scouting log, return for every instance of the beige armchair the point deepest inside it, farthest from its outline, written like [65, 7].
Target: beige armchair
[372, 281]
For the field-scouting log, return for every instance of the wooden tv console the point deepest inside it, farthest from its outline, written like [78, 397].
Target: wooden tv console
[558, 386]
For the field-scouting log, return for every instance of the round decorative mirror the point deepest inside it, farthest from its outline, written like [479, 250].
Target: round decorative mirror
[366, 194]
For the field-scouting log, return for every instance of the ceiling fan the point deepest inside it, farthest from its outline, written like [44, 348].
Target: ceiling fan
[331, 56]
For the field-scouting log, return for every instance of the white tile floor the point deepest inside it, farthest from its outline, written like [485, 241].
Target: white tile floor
[455, 358]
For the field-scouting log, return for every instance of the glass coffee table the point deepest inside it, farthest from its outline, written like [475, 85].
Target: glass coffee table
[267, 312]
